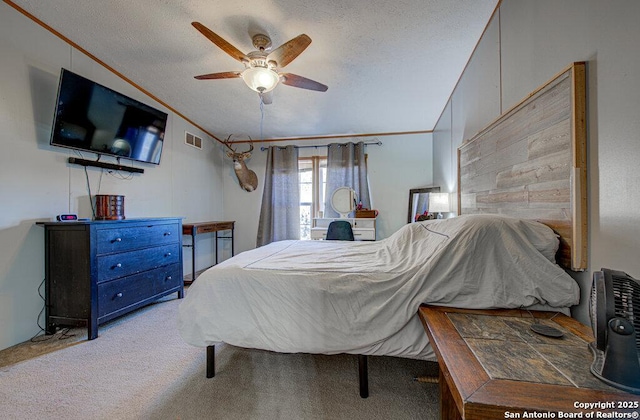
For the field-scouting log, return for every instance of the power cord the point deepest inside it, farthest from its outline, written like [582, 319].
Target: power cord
[93, 209]
[64, 333]
[119, 175]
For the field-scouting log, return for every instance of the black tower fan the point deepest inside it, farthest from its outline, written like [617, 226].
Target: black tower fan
[615, 318]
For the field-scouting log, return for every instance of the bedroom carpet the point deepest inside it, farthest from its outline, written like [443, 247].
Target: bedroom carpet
[140, 368]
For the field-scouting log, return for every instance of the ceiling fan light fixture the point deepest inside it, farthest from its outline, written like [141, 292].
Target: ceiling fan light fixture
[260, 79]
[262, 67]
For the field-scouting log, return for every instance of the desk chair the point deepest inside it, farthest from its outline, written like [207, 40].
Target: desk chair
[340, 230]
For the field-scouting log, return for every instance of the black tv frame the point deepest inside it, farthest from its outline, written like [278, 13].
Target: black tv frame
[100, 153]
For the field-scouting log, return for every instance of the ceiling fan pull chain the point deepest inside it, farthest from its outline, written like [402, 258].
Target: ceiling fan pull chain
[261, 117]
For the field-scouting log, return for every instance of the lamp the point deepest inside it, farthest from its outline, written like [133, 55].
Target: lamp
[438, 203]
[260, 79]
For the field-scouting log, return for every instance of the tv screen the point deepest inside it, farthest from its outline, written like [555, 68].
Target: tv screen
[93, 118]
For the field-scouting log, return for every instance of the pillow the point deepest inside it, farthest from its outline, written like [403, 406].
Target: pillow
[540, 236]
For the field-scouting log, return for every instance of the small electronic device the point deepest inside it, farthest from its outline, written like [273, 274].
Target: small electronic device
[546, 330]
[615, 318]
[67, 217]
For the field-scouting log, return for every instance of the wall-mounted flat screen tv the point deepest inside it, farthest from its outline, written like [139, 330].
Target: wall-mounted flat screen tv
[93, 118]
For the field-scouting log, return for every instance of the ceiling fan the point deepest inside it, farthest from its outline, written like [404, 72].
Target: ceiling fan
[262, 66]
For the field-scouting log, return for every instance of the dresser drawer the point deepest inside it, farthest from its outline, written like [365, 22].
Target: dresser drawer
[118, 294]
[364, 223]
[364, 234]
[123, 264]
[168, 277]
[135, 237]
[121, 293]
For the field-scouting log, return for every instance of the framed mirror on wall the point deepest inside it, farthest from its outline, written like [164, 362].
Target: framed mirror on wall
[344, 201]
[419, 202]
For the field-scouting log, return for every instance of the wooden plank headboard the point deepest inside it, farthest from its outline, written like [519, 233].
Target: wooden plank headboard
[531, 163]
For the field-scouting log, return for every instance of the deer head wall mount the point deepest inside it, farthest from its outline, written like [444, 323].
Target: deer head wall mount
[246, 177]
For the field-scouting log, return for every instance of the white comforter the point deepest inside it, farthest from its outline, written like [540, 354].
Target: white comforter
[362, 297]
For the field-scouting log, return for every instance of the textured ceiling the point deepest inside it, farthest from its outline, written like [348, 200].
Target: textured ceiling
[390, 65]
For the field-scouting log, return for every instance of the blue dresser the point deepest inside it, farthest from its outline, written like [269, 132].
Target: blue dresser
[98, 270]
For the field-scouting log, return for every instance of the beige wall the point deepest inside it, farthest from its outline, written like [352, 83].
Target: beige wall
[36, 182]
[401, 163]
[525, 45]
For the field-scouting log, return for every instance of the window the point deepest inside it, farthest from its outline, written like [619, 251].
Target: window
[312, 173]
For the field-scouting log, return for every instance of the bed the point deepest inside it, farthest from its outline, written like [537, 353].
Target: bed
[362, 298]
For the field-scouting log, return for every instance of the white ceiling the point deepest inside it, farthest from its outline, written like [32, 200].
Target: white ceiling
[390, 65]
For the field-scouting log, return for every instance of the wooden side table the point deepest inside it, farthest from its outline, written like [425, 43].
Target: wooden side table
[194, 229]
[492, 366]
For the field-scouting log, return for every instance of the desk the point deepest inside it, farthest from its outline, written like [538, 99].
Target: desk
[493, 367]
[194, 229]
[364, 229]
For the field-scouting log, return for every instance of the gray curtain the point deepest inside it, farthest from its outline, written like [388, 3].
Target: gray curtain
[346, 167]
[280, 212]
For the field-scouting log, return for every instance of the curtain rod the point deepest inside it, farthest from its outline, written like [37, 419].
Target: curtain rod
[377, 143]
[334, 136]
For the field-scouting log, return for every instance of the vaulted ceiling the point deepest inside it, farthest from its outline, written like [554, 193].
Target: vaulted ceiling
[390, 65]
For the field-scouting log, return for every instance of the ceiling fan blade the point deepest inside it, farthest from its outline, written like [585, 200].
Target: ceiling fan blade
[294, 80]
[288, 51]
[220, 42]
[267, 97]
[222, 75]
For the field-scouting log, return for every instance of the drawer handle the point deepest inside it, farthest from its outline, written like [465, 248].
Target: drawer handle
[119, 265]
[117, 240]
[168, 254]
[168, 278]
[167, 234]
[119, 294]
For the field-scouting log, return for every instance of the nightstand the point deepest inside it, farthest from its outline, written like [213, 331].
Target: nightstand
[492, 366]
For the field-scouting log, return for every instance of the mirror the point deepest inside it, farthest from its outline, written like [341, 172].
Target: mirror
[343, 201]
[419, 202]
